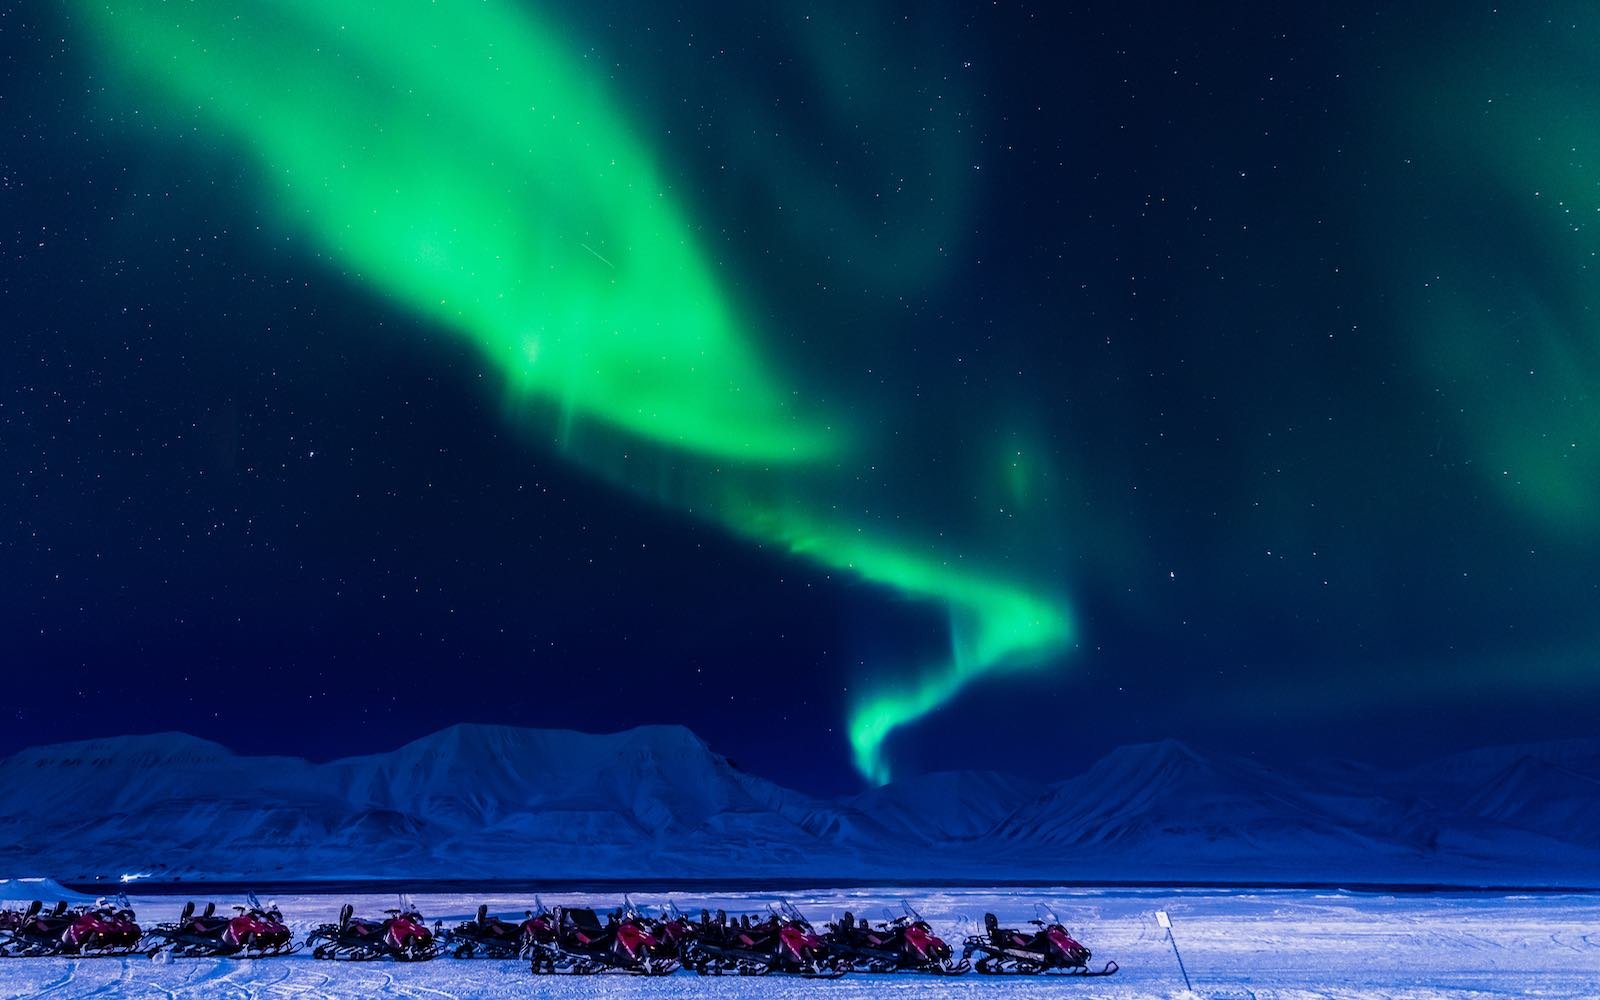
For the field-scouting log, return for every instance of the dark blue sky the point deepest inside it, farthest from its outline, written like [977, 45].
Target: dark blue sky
[1299, 318]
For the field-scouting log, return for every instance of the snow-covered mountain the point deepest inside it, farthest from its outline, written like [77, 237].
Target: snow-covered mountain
[471, 801]
[656, 802]
[1163, 807]
[947, 806]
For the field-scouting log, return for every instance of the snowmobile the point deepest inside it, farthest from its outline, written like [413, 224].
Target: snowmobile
[670, 932]
[784, 942]
[11, 920]
[1050, 949]
[38, 925]
[254, 931]
[487, 936]
[673, 930]
[902, 944]
[34, 931]
[104, 930]
[580, 945]
[404, 936]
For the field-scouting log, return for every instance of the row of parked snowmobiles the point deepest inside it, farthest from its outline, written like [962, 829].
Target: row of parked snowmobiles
[108, 929]
[575, 941]
[104, 929]
[564, 940]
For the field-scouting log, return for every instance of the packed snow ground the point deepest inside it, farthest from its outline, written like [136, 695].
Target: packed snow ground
[1288, 944]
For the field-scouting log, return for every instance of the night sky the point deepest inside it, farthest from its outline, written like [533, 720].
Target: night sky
[873, 389]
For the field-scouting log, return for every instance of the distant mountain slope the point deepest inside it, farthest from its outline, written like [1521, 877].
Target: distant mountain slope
[471, 801]
[656, 802]
[1146, 794]
[947, 805]
[1541, 797]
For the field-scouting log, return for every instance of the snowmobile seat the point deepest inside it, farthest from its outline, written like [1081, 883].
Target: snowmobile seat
[583, 924]
[1004, 937]
[34, 908]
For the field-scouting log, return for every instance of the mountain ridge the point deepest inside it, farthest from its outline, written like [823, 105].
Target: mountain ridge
[487, 801]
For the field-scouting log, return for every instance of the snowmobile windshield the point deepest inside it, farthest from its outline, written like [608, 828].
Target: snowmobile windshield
[1045, 914]
[911, 912]
[539, 909]
[792, 913]
[670, 912]
[583, 919]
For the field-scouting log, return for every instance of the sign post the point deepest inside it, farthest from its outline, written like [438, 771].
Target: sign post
[1166, 925]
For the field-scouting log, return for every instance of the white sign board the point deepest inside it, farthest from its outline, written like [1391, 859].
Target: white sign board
[1164, 920]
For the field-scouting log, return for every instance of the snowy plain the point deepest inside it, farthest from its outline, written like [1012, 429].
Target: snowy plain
[1277, 944]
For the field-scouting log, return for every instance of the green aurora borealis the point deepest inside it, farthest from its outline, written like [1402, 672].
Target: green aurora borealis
[457, 160]
[1502, 259]
[904, 378]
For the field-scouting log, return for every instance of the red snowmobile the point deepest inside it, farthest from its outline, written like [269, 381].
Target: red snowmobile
[404, 936]
[673, 930]
[10, 920]
[35, 930]
[254, 931]
[783, 943]
[1050, 949]
[581, 945]
[104, 930]
[487, 936]
[901, 944]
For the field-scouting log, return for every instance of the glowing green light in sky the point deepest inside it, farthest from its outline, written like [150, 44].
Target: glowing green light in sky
[995, 625]
[1499, 270]
[460, 164]
[461, 161]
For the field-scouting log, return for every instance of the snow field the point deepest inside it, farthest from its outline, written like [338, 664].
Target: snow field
[1273, 945]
